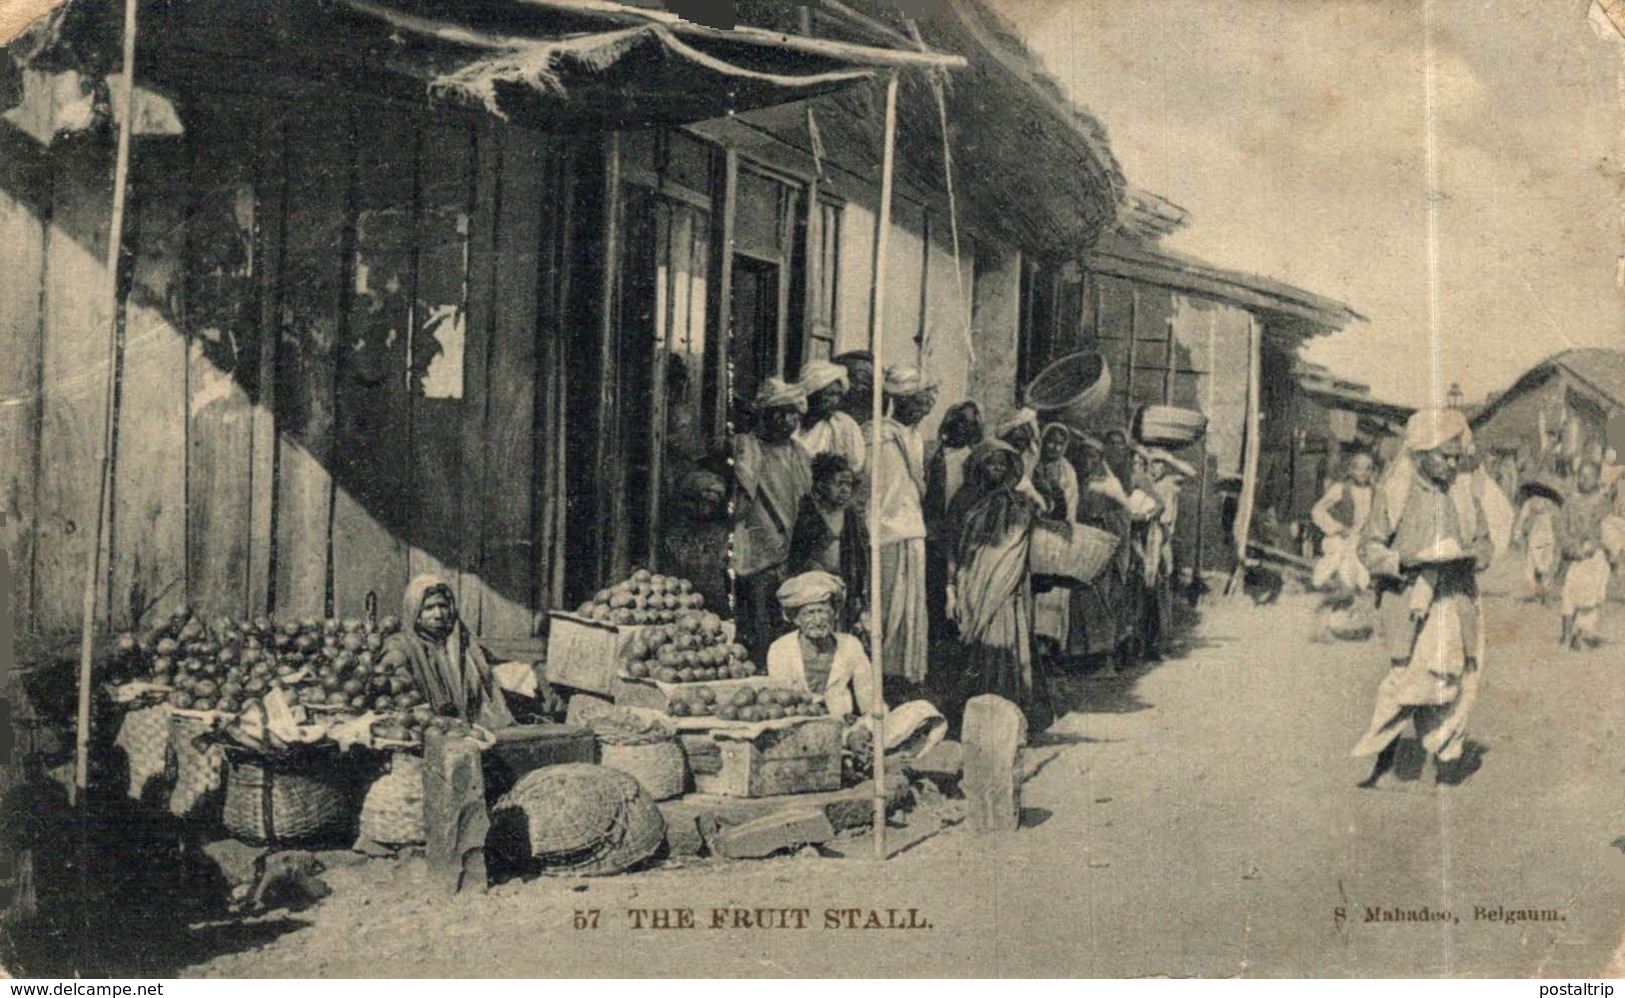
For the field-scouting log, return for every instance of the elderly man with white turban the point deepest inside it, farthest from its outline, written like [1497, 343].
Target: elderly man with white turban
[1425, 541]
[772, 474]
[826, 429]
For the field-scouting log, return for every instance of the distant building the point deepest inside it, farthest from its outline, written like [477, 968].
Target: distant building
[1556, 411]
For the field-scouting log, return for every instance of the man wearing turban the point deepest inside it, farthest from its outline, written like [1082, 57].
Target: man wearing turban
[1424, 543]
[772, 475]
[899, 466]
[826, 429]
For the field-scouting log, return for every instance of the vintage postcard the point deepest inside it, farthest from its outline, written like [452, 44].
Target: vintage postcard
[854, 488]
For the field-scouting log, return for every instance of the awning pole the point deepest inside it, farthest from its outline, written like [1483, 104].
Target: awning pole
[877, 617]
[115, 240]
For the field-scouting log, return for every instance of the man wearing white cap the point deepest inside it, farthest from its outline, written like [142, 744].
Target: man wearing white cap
[773, 474]
[1424, 542]
[900, 518]
[826, 429]
[816, 657]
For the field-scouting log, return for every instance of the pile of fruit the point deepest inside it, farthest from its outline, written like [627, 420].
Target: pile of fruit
[694, 648]
[746, 704]
[230, 666]
[643, 599]
[409, 727]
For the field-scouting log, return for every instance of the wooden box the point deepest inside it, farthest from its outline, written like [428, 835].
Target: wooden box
[586, 654]
[526, 747]
[799, 755]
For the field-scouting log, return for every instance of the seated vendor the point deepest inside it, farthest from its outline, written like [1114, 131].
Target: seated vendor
[452, 669]
[815, 657]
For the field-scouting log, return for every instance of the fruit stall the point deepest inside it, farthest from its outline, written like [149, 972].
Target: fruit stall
[302, 733]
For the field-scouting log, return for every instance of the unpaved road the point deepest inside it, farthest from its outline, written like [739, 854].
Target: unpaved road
[1200, 819]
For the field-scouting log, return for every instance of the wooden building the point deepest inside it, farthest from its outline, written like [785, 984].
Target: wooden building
[1570, 398]
[1177, 331]
[458, 288]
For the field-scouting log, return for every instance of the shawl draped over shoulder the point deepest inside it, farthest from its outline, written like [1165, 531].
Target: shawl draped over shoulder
[454, 675]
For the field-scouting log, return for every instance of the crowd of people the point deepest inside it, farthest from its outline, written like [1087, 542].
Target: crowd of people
[1411, 539]
[960, 610]
[1564, 511]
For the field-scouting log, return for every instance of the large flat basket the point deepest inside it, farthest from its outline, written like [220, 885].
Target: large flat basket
[1074, 551]
[1170, 426]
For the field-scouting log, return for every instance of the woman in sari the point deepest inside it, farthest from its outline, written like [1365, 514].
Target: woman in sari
[450, 667]
[1057, 480]
[991, 599]
[1094, 626]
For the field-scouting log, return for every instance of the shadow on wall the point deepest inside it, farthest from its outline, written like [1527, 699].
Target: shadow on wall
[362, 270]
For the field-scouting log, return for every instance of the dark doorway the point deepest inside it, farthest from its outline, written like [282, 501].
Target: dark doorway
[755, 310]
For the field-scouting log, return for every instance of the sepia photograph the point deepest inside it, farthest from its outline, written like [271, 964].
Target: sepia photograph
[843, 489]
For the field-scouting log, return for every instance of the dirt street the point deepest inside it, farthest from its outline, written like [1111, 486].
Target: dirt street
[1198, 819]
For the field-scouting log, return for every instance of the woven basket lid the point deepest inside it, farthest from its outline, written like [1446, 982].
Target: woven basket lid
[584, 818]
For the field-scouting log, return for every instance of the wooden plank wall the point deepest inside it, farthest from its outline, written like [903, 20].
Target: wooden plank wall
[338, 341]
[149, 497]
[73, 381]
[223, 354]
[24, 205]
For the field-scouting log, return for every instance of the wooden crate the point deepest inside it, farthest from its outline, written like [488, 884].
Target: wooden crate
[794, 756]
[526, 747]
[586, 654]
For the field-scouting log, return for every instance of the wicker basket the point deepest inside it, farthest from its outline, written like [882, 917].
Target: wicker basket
[392, 813]
[143, 735]
[1072, 388]
[657, 766]
[304, 800]
[1073, 551]
[198, 772]
[575, 819]
[1170, 426]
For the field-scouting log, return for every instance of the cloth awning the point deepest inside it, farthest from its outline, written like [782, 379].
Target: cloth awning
[551, 63]
[547, 64]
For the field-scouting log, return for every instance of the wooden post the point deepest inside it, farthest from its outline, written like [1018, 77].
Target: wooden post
[608, 368]
[1249, 458]
[115, 242]
[666, 320]
[877, 618]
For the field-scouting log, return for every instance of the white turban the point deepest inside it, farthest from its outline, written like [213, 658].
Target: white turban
[820, 374]
[1430, 429]
[809, 588]
[776, 394]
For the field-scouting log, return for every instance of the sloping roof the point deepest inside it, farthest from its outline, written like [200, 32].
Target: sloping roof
[1148, 216]
[1601, 370]
[1030, 168]
[1035, 168]
[1132, 259]
[1320, 383]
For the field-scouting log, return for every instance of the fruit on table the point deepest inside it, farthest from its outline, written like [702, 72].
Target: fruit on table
[231, 665]
[746, 704]
[693, 647]
[644, 598]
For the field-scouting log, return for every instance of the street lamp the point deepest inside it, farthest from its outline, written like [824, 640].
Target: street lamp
[1454, 398]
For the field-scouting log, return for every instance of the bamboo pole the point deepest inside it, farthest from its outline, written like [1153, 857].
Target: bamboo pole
[115, 240]
[877, 618]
